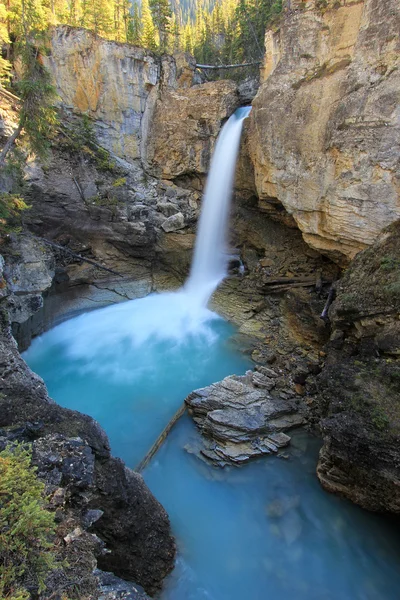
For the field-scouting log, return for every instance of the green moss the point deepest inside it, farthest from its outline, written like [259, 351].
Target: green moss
[119, 182]
[390, 263]
[27, 528]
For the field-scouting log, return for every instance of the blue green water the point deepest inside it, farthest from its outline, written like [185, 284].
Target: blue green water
[131, 365]
[265, 531]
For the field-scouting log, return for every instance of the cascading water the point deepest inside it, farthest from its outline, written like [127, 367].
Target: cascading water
[209, 266]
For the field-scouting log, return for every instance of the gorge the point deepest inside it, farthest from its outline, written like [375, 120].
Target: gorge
[315, 209]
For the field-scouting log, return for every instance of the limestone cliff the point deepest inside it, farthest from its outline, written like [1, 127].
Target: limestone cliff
[324, 132]
[142, 106]
[108, 81]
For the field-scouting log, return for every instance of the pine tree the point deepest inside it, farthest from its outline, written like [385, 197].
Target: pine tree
[27, 21]
[148, 29]
[162, 14]
[134, 27]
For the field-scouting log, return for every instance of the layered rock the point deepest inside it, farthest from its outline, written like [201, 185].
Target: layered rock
[358, 390]
[240, 419]
[324, 133]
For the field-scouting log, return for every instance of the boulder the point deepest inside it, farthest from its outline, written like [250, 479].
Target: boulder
[240, 419]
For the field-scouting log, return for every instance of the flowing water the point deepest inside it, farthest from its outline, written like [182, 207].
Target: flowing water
[209, 266]
[264, 531]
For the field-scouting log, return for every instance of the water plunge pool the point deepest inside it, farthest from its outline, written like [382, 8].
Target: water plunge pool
[263, 531]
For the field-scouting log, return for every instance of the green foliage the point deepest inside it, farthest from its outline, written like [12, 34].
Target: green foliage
[390, 263]
[162, 15]
[79, 135]
[11, 206]
[148, 37]
[38, 115]
[26, 527]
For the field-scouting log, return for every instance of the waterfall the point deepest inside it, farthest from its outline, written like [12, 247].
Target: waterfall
[178, 317]
[209, 266]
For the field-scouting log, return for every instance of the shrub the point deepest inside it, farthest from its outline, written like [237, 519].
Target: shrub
[11, 206]
[26, 527]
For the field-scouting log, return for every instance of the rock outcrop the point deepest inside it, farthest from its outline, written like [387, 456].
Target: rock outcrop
[359, 387]
[324, 131]
[241, 419]
[185, 123]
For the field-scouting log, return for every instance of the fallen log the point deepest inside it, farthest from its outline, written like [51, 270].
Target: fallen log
[160, 440]
[249, 64]
[78, 256]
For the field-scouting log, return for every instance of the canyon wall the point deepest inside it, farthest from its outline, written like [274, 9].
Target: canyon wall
[324, 131]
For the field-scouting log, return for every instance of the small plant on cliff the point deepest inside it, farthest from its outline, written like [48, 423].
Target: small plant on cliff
[26, 527]
[11, 207]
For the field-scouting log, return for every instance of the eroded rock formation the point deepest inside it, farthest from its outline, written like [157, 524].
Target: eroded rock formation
[324, 132]
[241, 418]
[359, 389]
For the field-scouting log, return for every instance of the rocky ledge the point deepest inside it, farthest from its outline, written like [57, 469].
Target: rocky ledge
[241, 419]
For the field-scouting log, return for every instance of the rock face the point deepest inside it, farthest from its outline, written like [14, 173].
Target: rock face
[185, 124]
[240, 419]
[142, 107]
[358, 389]
[89, 488]
[324, 131]
[108, 81]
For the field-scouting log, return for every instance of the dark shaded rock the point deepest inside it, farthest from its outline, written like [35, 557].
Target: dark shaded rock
[359, 388]
[144, 530]
[114, 588]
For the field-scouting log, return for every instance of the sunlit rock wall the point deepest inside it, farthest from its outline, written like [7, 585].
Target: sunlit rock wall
[324, 131]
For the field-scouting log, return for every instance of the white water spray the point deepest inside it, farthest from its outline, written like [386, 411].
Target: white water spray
[209, 266]
[104, 337]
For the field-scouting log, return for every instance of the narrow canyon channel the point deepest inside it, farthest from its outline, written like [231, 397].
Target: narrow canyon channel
[263, 530]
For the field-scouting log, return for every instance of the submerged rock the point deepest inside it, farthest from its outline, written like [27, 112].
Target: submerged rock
[240, 419]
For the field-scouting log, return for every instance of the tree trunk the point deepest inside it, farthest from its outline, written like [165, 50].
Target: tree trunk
[257, 62]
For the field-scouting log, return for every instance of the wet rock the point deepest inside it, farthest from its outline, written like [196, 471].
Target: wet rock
[114, 588]
[358, 389]
[240, 419]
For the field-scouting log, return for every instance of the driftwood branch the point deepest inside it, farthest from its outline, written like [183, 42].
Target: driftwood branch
[282, 284]
[78, 187]
[75, 255]
[257, 62]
